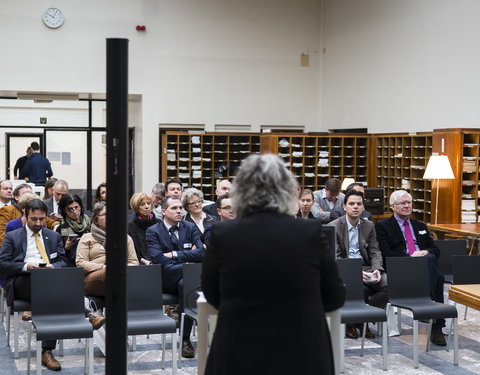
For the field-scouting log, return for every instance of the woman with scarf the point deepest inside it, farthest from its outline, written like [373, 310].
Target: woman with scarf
[92, 256]
[142, 205]
[74, 224]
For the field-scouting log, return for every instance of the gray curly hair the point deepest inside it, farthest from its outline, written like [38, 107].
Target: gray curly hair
[189, 193]
[263, 183]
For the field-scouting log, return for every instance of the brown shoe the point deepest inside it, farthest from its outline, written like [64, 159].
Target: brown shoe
[172, 312]
[187, 349]
[49, 361]
[437, 337]
[368, 333]
[27, 316]
[96, 321]
[351, 332]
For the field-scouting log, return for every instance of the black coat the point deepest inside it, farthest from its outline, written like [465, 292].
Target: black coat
[137, 229]
[272, 279]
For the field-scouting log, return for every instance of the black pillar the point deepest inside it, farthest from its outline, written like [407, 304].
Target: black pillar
[117, 172]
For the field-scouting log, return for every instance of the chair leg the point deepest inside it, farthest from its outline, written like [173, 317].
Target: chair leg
[429, 333]
[399, 320]
[363, 337]
[90, 355]
[163, 351]
[342, 349]
[182, 322]
[174, 353]
[60, 348]
[16, 318]
[39, 357]
[8, 326]
[2, 303]
[450, 334]
[134, 343]
[415, 344]
[465, 315]
[28, 348]
[455, 342]
[384, 343]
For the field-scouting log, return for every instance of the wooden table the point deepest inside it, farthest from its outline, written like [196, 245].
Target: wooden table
[466, 294]
[470, 231]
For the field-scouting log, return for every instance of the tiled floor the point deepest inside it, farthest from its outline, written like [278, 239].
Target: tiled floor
[146, 358]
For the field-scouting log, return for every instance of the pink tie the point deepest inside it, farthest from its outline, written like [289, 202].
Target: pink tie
[409, 238]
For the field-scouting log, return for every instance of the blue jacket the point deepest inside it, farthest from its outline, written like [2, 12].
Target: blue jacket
[37, 169]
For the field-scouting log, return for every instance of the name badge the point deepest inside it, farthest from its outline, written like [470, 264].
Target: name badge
[53, 255]
[422, 232]
[187, 245]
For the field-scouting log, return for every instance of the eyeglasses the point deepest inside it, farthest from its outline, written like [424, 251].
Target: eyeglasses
[74, 208]
[228, 208]
[404, 203]
[196, 202]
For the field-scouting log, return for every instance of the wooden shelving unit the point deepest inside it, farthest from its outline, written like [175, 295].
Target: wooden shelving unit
[400, 163]
[199, 160]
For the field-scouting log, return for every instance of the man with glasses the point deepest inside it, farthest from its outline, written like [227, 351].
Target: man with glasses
[225, 209]
[401, 236]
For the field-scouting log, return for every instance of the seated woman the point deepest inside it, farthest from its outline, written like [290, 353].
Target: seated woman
[305, 202]
[142, 205]
[101, 193]
[91, 254]
[192, 202]
[74, 224]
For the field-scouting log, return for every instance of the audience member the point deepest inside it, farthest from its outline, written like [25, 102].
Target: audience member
[339, 211]
[37, 169]
[225, 208]
[20, 222]
[173, 187]
[29, 248]
[401, 236]
[223, 187]
[250, 264]
[73, 226]
[192, 201]
[91, 252]
[171, 243]
[356, 238]
[158, 193]
[141, 205]
[6, 189]
[20, 164]
[60, 188]
[305, 202]
[101, 193]
[327, 199]
[48, 189]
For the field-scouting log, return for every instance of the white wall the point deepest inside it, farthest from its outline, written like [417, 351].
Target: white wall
[410, 65]
[199, 61]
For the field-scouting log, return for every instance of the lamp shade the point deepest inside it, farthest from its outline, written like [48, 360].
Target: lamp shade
[438, 167]
[347, 181]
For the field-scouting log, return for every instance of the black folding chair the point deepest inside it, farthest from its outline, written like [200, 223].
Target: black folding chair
[466, 271]
[449, 248]
[145, 307]
[408, 288]
[17, 307]
[355, 310]
[58, 310]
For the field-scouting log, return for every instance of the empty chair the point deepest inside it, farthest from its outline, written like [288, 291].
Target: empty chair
[17, 307]
[408, 289]
[466, 271]
[449, 248]
[59, 314]
[145, 307]
[355, 310]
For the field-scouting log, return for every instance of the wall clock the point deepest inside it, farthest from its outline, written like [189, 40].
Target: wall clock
[53, 18]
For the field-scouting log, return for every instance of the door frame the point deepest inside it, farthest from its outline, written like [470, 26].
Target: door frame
[20, 135]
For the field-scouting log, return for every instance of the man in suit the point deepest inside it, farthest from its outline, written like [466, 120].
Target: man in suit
[223, 187]
[60, 188]
[18, 168]
[28, 248]
[400, 236]
[356, 238]
[225, 208]
[173, 187]
[6, 193]
[171, 243]
[339, 211]
[327, 199]
[37, 169]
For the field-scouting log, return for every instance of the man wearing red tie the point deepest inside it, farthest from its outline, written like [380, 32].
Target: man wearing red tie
[27, 248]
[401, 236]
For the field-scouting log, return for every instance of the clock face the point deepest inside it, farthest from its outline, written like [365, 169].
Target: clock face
[53, 18]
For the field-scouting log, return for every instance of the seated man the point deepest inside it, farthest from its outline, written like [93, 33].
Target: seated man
[223, 187]
[27, 248]
[225, 208]
[171, 243]
[60, 188]
[327, 199]
[356, 238]
[400, 236]
[339, 211]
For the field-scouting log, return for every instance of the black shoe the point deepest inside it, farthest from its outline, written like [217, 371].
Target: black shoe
[187, 349]
[437, 337]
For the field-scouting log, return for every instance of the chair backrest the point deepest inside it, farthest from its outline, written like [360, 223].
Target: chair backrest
[449, 248]
[351, 273]
[407, 277]
[329, 233]
[192, 273]
[144, 287]
[466, 269]
[57, 290]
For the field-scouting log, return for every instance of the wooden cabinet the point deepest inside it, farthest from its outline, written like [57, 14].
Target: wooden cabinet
[400, 162]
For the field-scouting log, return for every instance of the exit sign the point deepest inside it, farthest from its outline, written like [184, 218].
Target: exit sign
[43, 120]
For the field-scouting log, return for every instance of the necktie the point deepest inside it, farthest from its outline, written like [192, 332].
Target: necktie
[408, 236]
[40, 247]
[174, 237]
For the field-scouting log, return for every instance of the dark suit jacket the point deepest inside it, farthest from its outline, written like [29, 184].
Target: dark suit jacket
[159, 242]
[211, 209]
[371, 254]
[207, 221]
[256, 269]
[14, 249]
[391, 240]
[37, 169]
[49, 203]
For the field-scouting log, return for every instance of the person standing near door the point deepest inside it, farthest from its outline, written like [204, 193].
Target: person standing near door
[37, 169]
[20, 164]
